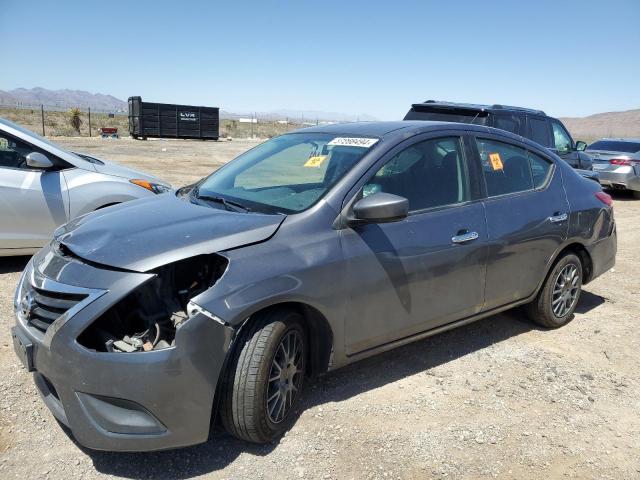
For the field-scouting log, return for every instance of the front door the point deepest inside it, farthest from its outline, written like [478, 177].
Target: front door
[563, 145]
[33, 202]
[427, 270]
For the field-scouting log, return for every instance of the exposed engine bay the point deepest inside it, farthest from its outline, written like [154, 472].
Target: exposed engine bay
[147, 319]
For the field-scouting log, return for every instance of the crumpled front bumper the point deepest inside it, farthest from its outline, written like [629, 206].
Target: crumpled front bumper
[121, 401]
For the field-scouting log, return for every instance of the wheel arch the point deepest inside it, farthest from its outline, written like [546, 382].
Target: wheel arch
[584, 256]
[107, 205]
[319, 333]
[578, 249]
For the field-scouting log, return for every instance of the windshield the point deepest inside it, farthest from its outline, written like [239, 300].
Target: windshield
[35, 136]
[615, 146]
[287, 173]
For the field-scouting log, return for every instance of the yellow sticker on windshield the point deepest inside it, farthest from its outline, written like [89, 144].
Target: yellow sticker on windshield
[496, 161]
[316, 161]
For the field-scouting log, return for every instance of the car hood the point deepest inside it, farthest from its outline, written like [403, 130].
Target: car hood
[144, 234]
[110, 168]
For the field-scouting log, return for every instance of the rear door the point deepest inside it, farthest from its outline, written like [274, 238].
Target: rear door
[527, 217]
[33, 202]
[416, 274]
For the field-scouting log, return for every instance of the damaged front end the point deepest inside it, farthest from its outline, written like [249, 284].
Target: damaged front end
[147, 318]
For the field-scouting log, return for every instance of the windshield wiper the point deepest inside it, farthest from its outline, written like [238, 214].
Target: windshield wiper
[227, 204]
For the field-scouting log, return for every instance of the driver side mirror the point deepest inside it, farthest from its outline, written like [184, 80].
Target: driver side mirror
[581, 146]
[38, 160]
[381, 208]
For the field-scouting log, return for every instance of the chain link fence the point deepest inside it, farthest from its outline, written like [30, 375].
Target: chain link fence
[56, 121]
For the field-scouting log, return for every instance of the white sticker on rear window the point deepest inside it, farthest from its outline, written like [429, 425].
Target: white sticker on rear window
[353, 142]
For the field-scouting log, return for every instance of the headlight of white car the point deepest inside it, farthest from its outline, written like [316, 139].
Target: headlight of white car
[152, 187]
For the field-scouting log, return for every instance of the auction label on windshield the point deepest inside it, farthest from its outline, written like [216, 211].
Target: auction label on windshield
[353, 142]
[316, 161]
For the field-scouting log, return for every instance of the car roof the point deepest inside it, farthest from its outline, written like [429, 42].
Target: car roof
[407, 128]
[630, 140]
[436, 104]
[384, 129]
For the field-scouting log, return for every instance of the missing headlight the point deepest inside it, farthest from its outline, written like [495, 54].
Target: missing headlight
[147, 318]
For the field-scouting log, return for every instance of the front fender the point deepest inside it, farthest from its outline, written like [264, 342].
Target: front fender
[89, 191]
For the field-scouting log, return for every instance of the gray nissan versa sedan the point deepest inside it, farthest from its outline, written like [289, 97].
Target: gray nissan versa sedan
[144, 322]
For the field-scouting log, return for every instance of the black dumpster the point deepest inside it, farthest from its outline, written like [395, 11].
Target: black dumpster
[165, 120]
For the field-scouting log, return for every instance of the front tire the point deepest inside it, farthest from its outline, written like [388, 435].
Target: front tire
[636, 194]
[557, 300]
[265, 377]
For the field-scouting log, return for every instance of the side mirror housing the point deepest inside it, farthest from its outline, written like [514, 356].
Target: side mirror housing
[38, 160]
[381, 208]
[581, 146]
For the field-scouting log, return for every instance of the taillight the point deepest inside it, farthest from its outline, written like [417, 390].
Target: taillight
[621, 161]
[605, 198]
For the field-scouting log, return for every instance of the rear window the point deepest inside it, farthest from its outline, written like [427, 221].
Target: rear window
[510, 123]
[615, 146]
[539, 131]
[477, 118]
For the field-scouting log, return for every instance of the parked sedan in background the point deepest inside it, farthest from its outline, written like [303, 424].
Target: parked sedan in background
[43, 186]
[311, 251]
[617, 161]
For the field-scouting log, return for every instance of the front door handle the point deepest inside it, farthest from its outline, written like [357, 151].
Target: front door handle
[465, 237]
[559, 217]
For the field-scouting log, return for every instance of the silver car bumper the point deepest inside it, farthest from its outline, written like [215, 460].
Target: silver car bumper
[622, 178]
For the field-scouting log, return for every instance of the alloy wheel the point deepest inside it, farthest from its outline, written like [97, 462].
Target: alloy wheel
[285, 376]
[565, 290]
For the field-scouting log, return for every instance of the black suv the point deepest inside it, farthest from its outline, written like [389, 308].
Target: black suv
[532, 124]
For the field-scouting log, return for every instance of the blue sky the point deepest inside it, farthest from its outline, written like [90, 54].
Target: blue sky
[570, 58]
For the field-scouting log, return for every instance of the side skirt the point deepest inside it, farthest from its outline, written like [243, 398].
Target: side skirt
[434, 331]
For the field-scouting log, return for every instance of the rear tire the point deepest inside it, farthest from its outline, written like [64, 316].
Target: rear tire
[554, 305]
[265, 377]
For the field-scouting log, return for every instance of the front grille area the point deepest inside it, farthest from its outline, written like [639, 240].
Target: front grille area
[43, 307]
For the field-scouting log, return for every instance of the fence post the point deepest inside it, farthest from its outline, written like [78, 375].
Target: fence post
[42, 116]
[89, 121]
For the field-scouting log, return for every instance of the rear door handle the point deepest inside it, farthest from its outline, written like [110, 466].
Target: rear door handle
[558, 218]
[465, 237]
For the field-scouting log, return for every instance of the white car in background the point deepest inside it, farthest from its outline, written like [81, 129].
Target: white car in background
[617, 161]
[43, 186]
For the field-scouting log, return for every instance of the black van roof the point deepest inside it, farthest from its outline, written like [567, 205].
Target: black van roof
[443, 105]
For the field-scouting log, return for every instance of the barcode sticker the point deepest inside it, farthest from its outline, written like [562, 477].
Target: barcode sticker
[353, 142]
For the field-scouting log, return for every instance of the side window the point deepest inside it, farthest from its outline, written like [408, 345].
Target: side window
[561, 139]
[539, 131]
[540, 169]
[510, 123]
[505, 167]
[13, 152]
[429, 174]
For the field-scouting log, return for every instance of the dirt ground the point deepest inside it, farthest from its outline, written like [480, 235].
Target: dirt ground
[495, 399]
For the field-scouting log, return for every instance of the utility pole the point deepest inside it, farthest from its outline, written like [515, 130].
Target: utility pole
[89, 121]
[42, 116]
